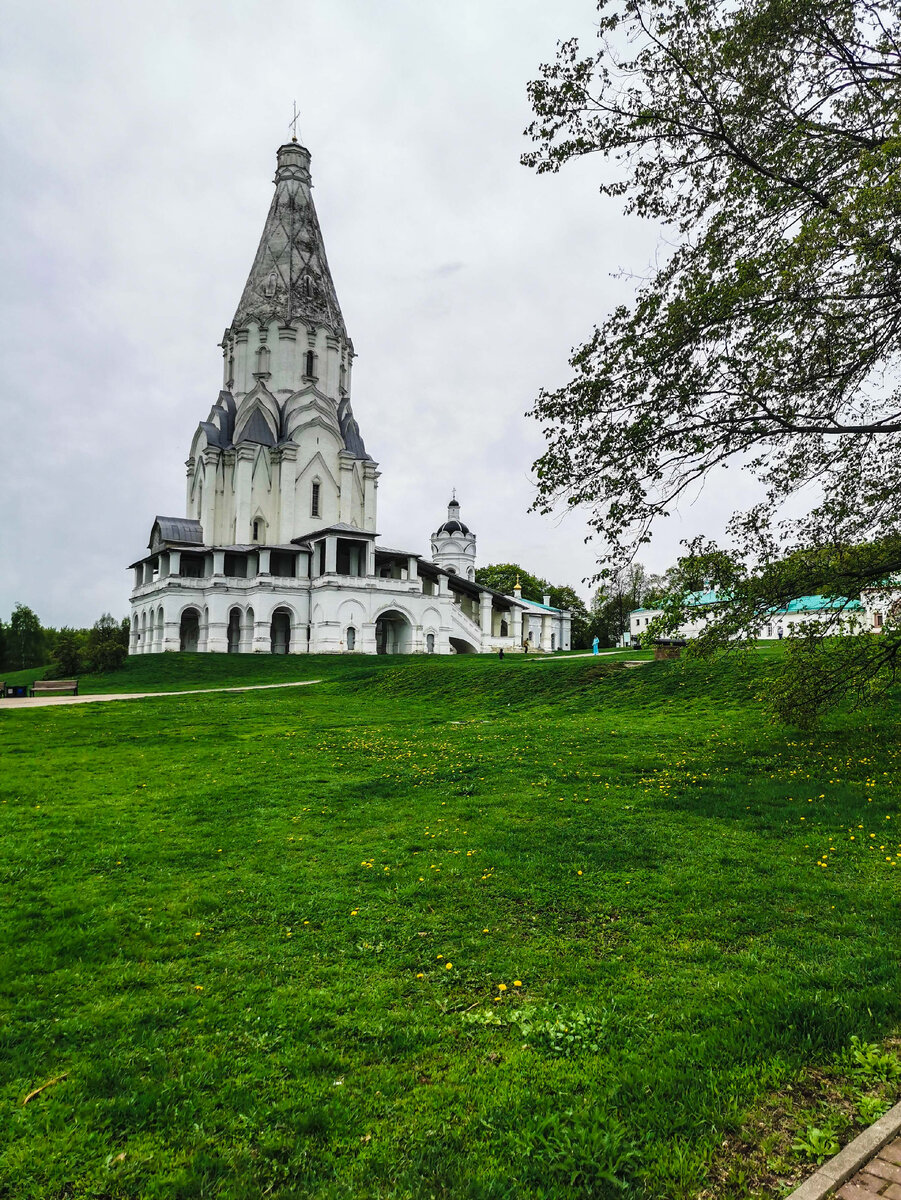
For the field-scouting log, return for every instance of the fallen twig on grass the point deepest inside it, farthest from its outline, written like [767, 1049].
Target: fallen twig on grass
[49, 1083]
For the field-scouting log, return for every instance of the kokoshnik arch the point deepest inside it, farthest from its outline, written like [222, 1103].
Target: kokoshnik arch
[278, 550]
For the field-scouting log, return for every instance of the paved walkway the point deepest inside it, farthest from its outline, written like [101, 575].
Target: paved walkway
[55, 701]
[880, 1177]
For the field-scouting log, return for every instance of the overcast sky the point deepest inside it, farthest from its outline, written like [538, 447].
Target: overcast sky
[139, 146]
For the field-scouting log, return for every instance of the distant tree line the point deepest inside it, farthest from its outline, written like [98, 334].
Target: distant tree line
[607, 618]
[25, 643]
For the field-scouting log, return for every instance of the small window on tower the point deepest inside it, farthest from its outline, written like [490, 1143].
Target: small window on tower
[314, 501]
[270, 285]
[256, 530]
[311, 364]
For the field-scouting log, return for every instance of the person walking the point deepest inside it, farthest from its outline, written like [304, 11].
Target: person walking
[595, 644]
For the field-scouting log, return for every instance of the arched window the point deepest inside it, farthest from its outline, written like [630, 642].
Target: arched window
[553, 641]
[877, 620]
[262, 361]
[351, 638]
[310, 365]
[270, 284]
[504, 629]
[314, 500]
[256, 530]
[430, 643]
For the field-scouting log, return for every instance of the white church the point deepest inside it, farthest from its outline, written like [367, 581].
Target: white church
[279, 551]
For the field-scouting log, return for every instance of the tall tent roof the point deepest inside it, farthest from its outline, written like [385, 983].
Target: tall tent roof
[290, 278]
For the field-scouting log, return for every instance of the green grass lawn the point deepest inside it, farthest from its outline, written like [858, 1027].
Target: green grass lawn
[446, 927]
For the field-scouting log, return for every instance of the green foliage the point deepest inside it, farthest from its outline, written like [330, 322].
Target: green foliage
[107, 645]
[67, 656]
[503, 577]
[551, 1029]
[24, 639]
[817, 1144]
[764, 137]
[871, 1108]
[867, 1061]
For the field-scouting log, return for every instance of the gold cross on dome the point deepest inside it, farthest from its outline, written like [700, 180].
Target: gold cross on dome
[293, 124]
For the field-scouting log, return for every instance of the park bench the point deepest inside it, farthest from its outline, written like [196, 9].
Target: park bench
[668, 647]
[42, 687]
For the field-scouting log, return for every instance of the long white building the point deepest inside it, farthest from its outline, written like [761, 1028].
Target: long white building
[279, 549]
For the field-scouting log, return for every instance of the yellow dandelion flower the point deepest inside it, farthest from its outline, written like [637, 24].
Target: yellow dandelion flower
[517, 983]
[447, 966]
[501, 987]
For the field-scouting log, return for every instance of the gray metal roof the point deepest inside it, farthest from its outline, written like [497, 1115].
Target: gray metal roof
[180, 530]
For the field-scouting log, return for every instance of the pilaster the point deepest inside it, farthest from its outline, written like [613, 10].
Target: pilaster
[287, 481]
[244, 456]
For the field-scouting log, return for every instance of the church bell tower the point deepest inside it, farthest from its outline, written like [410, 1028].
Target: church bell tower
[454, 544]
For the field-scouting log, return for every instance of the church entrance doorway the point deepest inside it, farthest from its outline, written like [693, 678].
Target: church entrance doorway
[189, 631]
[280, 631]
[393, 634]
[234, 631]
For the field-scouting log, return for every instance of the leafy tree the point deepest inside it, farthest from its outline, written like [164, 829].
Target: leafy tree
[107, 645]
[503, 576]
[67, 655]
[25, 639]
[629, 588]
[765, 136]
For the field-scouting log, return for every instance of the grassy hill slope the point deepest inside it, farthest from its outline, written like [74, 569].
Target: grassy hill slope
[448, 927]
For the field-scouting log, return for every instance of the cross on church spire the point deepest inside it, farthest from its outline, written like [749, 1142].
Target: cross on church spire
[292, 125]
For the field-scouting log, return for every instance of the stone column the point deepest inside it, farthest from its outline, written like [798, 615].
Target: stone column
[485, 614]
[263, 555]
[217, 625]
[370, 558]
[370, 486]
[443, 585]
[516, 626]
[139, 575]
[174, 562]
[545, 632]
[171, 628]
[262, 636]
[189, 471]
[346, 487]
[218, 562]
[244, 457]
[413, 570]
[331, 555]
[287, 481]
[208, 501]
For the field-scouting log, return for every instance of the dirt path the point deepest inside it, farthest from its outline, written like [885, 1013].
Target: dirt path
[55, 701]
